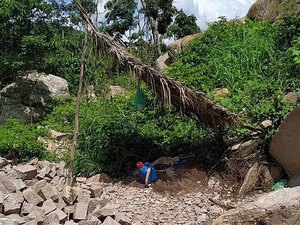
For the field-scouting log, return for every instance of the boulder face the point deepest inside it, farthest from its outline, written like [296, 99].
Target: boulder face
[285, 144]
[272, 10]
[164, 61]
[27, 97]
[276, 208]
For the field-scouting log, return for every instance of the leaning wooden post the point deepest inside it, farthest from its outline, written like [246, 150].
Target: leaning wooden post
[76, 126]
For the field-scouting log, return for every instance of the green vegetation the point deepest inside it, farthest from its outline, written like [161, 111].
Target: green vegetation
[113, 136]
[21, 140]
[259, 63]
[246, 60]
[183, 25]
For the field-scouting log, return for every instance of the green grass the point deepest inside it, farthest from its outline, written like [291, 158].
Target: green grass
[244, 59]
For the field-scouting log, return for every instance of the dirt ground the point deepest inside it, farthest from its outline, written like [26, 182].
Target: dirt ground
[188, 179]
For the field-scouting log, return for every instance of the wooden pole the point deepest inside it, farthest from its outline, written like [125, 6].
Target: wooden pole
[76, 127]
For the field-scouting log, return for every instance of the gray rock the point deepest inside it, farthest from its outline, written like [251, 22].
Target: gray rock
[37, 214]
[69, 195]
[18, 218]
[251, 178]
[47, 192]
[49, 206]
[27, 208]
[8, 221]
[81, 210]
[69, 209]
[61, 215]
[85, 222]
[96, 191]
[27, 97]
[51, 219]
[96, 202]
[6, 186]
[1, 202]
[60, 204]
[122, 219]
[58, 135]
[19, 184]
[284, 146]
[32, 197]
[31, 222]
[108, 210]
[38, 185]
[12, 203]
[26, 171]
[3, 162]
[264, 208]
[71, 222]
[110, 221]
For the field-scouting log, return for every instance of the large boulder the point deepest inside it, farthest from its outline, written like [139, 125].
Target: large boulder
[176, 47]
[272, 10]
[276, 208]
[163, 62]
[285, 144]
[27, 97]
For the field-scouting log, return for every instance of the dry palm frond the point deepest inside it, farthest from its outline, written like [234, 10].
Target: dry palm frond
[193, 103]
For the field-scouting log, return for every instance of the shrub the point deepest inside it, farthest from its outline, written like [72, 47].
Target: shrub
[246, 60]
[22, 140]
[113, 136]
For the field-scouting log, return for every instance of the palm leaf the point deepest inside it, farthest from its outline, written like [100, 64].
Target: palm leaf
[193, 103]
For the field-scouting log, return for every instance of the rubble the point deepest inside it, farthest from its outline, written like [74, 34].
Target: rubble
[48, 200]
[27, 172]
[81, 210]
[265, 124]
[250, 179]
[3, 162]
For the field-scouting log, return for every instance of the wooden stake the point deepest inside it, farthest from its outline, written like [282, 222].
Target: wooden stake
[76, 127]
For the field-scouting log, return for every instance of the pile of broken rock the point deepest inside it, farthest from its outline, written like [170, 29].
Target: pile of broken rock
[36, 193]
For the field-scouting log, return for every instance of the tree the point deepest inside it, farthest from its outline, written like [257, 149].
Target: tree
[120, 17]
[39, 35]
[159, 14]
[135, 20]
[183, 25]
[171, 92]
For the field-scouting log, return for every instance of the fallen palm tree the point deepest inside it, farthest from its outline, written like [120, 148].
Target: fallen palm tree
[192, 103]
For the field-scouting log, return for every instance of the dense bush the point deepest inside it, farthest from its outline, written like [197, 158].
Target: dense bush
[246, 60]
[113, 136]
[21, 139]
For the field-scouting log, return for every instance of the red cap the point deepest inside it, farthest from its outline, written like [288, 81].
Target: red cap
[139, 165]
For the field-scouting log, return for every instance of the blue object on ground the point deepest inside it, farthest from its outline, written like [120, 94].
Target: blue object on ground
[179, 163]
[143, 172]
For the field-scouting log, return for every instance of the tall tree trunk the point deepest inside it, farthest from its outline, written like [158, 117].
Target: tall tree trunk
[76, 127]
[154, 30]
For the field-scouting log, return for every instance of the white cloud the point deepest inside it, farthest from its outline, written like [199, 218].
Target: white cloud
[209, 10]
[206, 10]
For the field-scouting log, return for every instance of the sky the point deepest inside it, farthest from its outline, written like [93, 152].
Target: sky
[207, 11]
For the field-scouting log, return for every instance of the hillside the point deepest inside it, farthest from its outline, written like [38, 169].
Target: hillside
[206, 119]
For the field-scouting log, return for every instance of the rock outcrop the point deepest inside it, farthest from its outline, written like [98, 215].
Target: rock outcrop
[164, 61]
[285, 145]
[27, 97]
[276, 208]
[272, 10]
